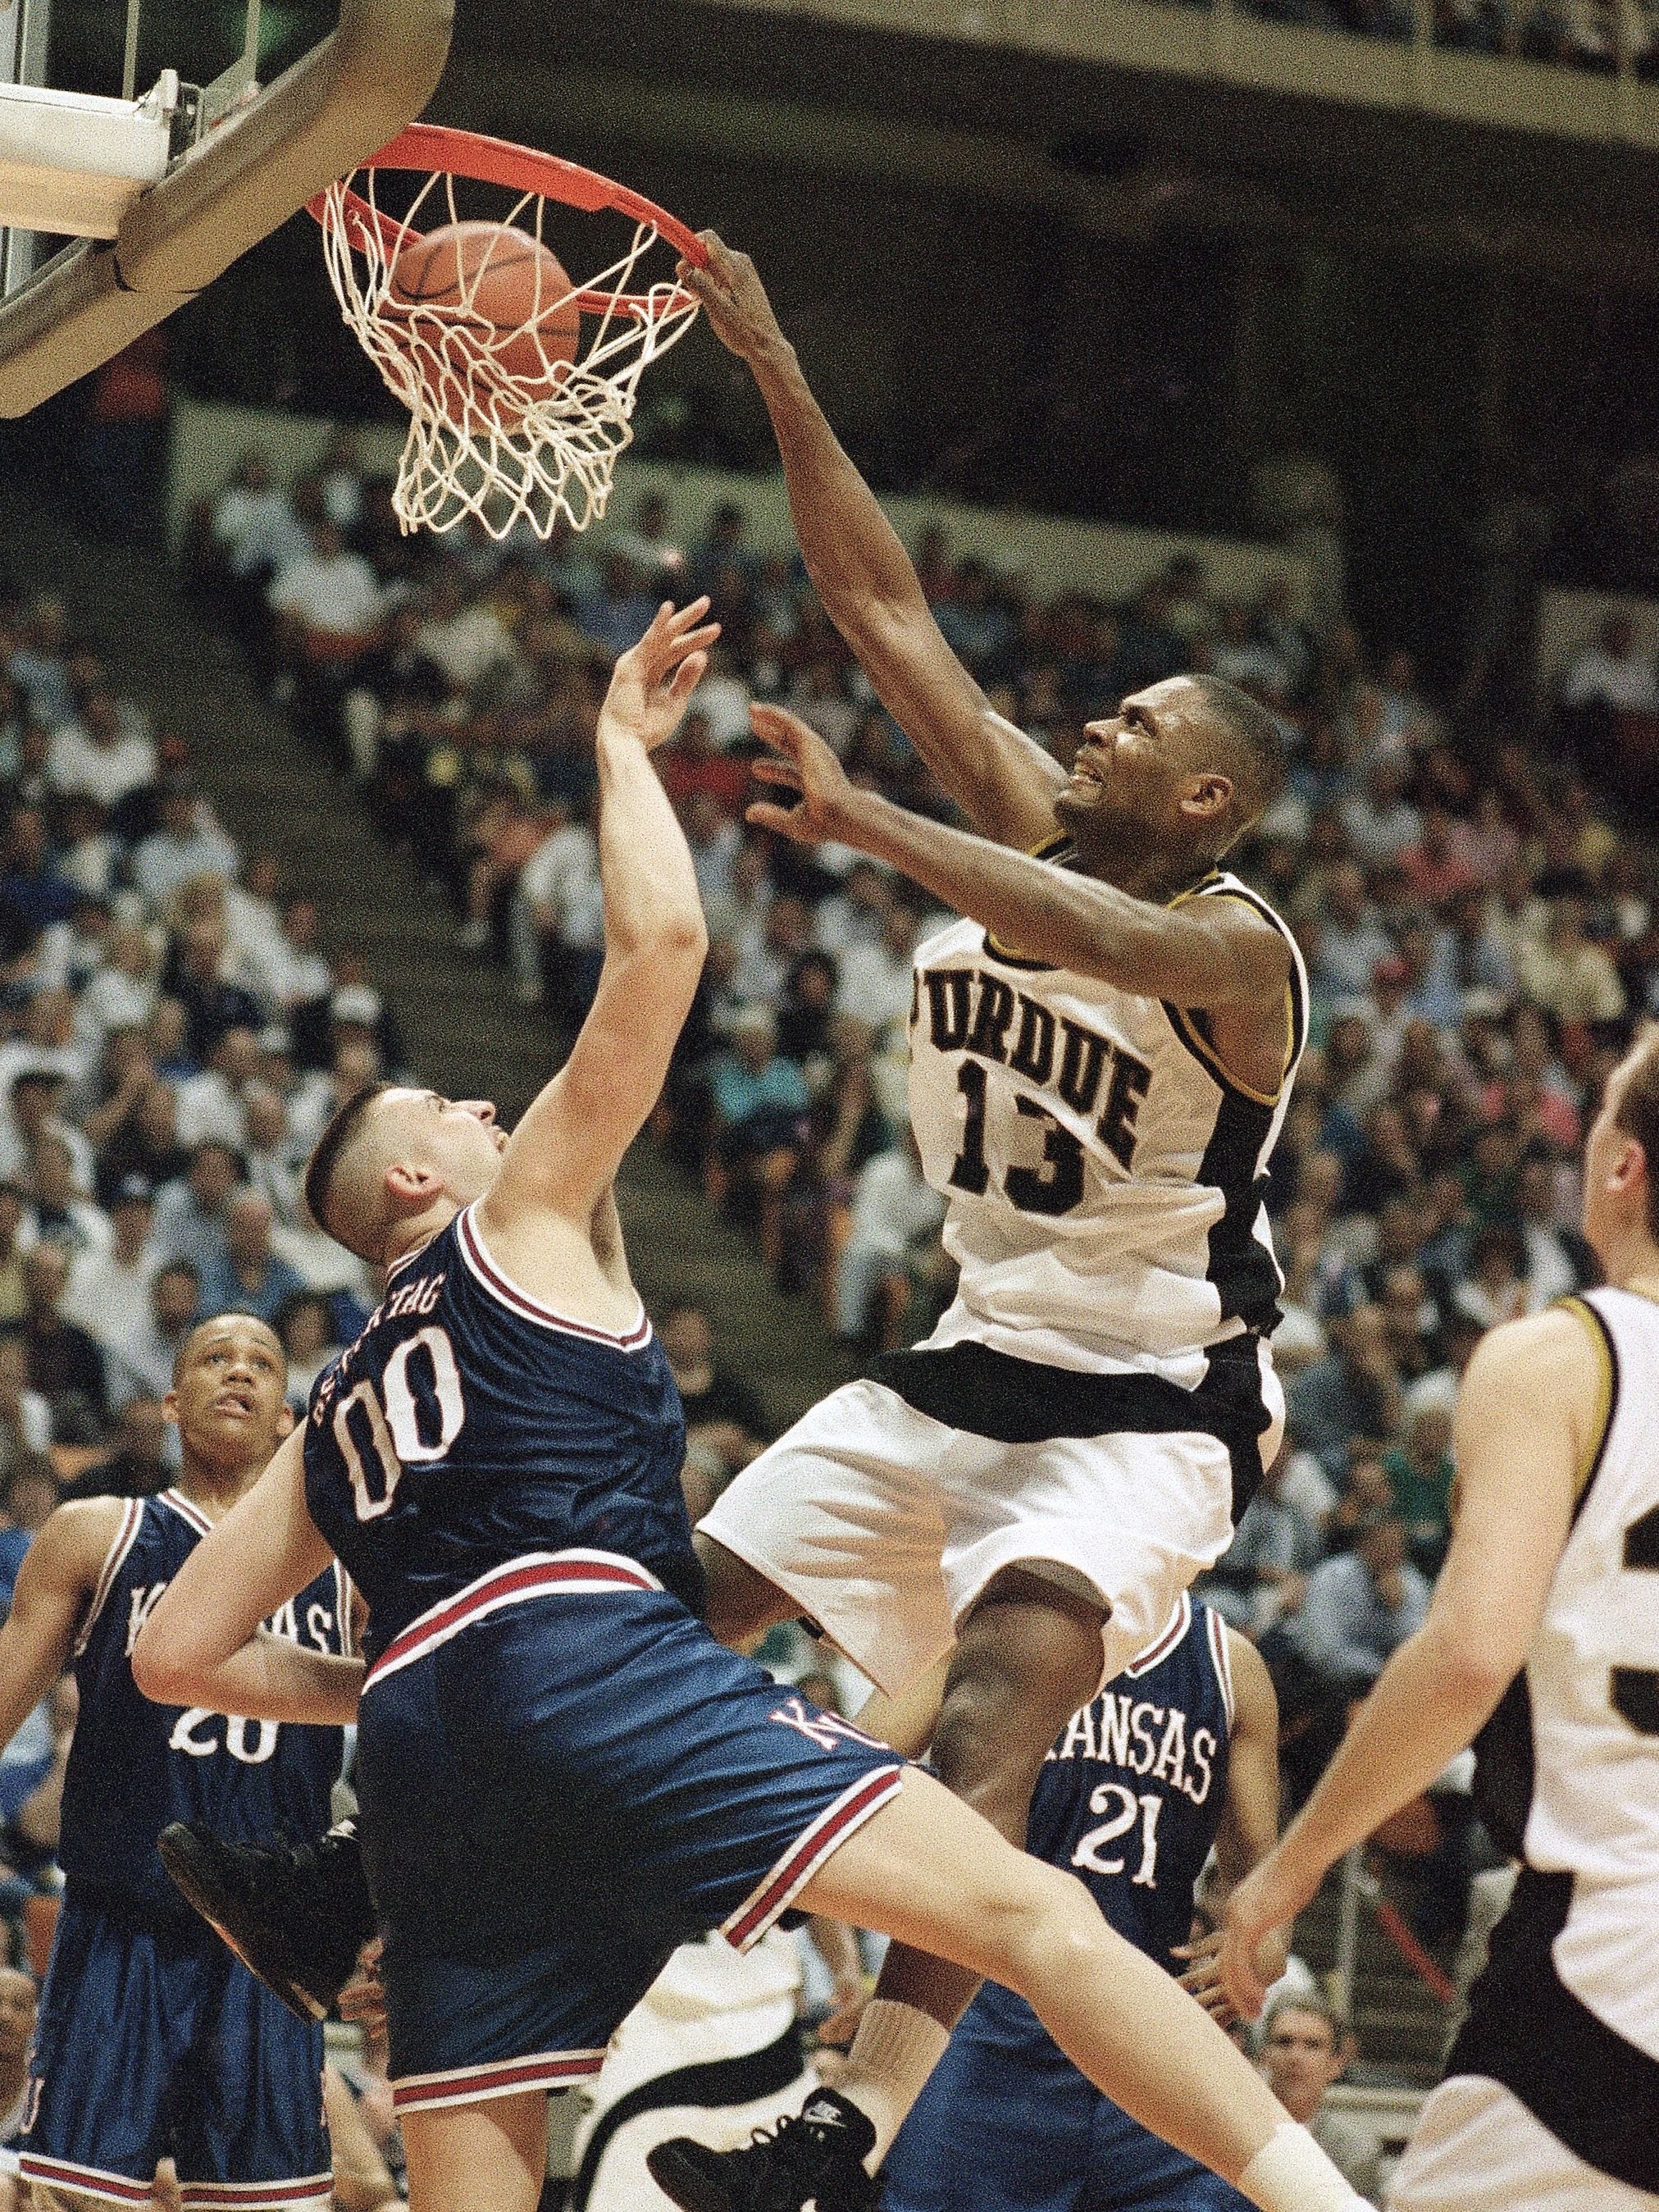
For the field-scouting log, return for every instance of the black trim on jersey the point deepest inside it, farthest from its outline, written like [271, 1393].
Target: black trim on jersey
[1594, 2090]
[1026, 1401]
[1505, 1750]
[1583, 1305]
[720, 2081]
[1505, 1769]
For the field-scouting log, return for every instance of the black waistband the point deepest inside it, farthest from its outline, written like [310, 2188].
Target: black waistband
[1024, 1401]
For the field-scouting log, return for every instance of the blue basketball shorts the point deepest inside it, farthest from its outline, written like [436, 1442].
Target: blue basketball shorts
[154, 2042]
[1006, 2124]
[563, 1777]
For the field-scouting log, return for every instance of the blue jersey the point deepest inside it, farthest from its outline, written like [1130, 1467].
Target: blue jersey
[470, 1424]
[135, 1766]
[1131, 1794]
[1129, 1799]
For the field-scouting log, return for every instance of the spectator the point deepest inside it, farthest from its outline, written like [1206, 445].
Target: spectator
[214, 1104]
[1566, 974]
[1261, 1577]
[25, 1416]
[1353, 1393]
[722, 1413]
[249, 1278]
[877, 980]
[895, 1220]
[1381, 823]
[1419, 1471]
[143, 1368]
[95, 758]
[306, 1325]
[64, 1363]
[190, 1213]
[62, 1215]
[1358, 1607]
[33, 891]
[186, 843]
[1611, 673]
[139, 1465]
[1304, 2047]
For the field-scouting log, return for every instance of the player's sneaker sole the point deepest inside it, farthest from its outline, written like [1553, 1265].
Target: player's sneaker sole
[687, 2182]
[192, 1866]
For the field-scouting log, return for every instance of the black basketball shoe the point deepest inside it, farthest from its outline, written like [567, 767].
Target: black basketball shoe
[296, 1915]
[817, 2158]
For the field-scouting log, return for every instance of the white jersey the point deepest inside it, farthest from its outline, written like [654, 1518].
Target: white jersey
[1104, 1174]
[1593, 1681]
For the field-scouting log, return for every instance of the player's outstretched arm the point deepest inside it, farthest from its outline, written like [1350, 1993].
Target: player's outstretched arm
[1213, 952]
[55, 1586]
[1526, 1419]
[565, 1152]
[1003, 780]
[1249, 1821]
[204, 1644]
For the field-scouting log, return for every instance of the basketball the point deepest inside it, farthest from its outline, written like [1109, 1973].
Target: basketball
[514, 302]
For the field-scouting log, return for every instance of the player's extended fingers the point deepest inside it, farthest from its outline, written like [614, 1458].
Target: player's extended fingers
[687, 677]
[762, 815]
[767, 767]
[780, 728]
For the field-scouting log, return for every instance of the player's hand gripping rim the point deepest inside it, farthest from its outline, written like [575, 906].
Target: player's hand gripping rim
[801, 761]
[651, 682]
[730, 293]
[1253, 1948]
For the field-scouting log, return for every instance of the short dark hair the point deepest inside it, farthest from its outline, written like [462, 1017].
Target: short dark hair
[1252, 737]
[1639, 1113]
[343, 1126]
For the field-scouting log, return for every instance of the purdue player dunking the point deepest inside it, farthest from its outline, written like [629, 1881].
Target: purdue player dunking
[1103, 1049]
[1548, 1602]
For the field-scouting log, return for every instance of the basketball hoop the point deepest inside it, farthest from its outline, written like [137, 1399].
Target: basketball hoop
[508, 422]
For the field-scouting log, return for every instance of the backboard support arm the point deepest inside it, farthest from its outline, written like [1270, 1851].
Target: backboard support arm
[339, 102]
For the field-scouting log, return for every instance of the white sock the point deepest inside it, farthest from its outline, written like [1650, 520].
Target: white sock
[1291, 2174]
[896, 2049]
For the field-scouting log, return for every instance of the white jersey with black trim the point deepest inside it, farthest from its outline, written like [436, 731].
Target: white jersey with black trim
[1104, 1173]
[1593, 1681]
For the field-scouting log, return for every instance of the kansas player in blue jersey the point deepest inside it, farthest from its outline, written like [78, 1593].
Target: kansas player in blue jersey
[151, 2041]
[563, 1775]
[1180, 1753]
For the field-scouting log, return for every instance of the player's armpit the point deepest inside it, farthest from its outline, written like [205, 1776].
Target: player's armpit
[55, 1587]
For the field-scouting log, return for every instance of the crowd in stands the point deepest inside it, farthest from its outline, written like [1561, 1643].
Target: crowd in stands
[1479, 940]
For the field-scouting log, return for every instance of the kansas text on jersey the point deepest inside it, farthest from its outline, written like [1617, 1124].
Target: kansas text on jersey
[135, 1766]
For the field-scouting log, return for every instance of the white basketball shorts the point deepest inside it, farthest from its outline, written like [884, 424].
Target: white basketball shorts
[1477, 2149]
[885, 1525]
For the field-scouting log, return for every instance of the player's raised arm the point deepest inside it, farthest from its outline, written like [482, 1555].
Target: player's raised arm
[1211, 952]
[203, 1644]
[1526, 1423]
[565, 1150]
[1003, 780]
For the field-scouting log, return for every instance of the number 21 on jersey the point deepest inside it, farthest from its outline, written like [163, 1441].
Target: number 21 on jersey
[413, 1418]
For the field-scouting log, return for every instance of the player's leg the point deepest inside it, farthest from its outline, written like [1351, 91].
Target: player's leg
[485, 2157]
[927, 1871]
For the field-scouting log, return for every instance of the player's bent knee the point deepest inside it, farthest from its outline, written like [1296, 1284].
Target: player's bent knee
[1044, 1927]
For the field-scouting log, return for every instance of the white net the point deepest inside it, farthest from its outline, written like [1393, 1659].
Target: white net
[502, 426]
